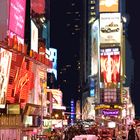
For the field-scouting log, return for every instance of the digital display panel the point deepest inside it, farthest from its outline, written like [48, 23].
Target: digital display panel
[5, 64]
[34, 37]
[95, 41]
[110, 112]
[110, 28]
[20, 80]
[110, 95]
[56, 98]
[108, 6]
[38, 6]
[110, 65]
[17, 17]
[53, 58]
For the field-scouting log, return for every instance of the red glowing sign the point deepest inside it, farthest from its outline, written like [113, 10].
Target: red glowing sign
[20, 81]
[110, 65]
[38, 6]
[17, 17]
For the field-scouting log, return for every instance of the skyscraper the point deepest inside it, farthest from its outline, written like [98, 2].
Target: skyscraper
[68, 19]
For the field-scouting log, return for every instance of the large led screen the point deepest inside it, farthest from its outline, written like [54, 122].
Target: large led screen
[4, 11]
[53, 58]
[108, 6]
[40, 85]
[5, 63]
[17, 17]
[110, 65]
[56, 98]
[94, 47]
[110, 28]
[38, 6]
[34, 37]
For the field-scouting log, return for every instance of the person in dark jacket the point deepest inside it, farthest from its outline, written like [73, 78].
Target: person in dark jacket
[132, 134]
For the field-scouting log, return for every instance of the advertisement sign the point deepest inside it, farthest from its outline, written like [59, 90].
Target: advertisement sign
[53, 58]
[78, 110]
[110, 112]
[108, 5]
[110, 95]
[5, 64]
[37, 95]
[110, 28]
[17, 17]
[4, 11]
[110, 65]
[20, 81]
[13, 108]
[57, 98]
[34, 37]
[95, 41]
[38, 6]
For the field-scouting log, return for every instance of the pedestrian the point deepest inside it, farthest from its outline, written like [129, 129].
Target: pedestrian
[132, 134]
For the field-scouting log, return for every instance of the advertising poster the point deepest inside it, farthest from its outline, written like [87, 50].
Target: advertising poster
[38, 93]
[5, 64]
[56, 98]
[94, 47]
[110, 65]
[110, 95]
[108, 5]
[110, 28]
[20, 81]
[17, 17]
[38, 6]
[34, 37]
[53, 58]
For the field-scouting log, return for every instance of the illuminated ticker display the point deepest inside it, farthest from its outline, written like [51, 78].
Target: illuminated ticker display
[110, 65]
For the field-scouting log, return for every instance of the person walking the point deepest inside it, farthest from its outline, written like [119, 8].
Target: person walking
[132, 134]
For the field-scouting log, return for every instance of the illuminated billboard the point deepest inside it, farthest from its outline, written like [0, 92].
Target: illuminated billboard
[38, 6]
[110, 65]
[110, 95]
[5, 63]
[95, 41]
[53, 58]
[17, 17]
[4, 11]
[110, 28]
[108, 5]
[110, 112]
[34, 37]
[40, 85]
[56, 98]
[20, 80]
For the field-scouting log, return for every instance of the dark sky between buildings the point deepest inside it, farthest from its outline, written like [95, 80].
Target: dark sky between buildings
[133, 31]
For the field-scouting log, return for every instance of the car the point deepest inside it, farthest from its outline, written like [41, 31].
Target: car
[110, 28]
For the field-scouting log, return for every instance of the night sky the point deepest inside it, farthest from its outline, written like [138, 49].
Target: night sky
[133, 31]
[133, 37]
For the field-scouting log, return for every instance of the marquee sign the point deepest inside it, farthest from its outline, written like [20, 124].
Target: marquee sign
[110, 112]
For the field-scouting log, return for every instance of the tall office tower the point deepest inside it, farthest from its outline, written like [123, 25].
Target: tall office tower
[88, 17]
[68, 20]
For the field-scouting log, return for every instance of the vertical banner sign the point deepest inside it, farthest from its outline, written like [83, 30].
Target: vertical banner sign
[110, 65]
[17, 17]
[5, 64]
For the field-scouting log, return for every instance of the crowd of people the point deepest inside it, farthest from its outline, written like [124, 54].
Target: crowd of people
[103, 134]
